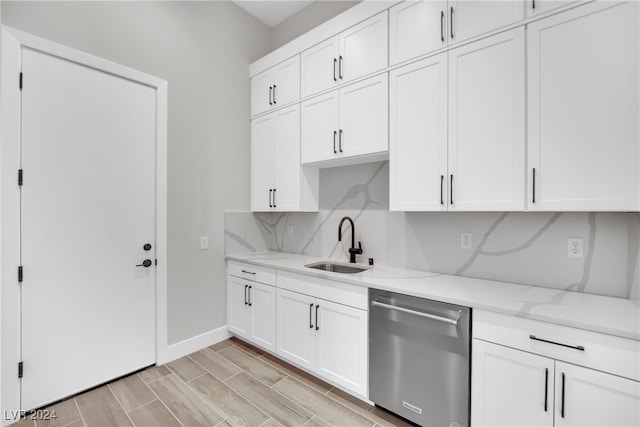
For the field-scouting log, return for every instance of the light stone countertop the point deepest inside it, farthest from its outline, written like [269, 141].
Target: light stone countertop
[614, 316]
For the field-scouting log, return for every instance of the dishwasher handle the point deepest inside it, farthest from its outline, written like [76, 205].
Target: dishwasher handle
[453, 322]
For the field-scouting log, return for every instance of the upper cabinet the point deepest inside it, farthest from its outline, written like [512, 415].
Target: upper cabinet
[583, 103]
[276, 87]
[419, 27]
[537, 7]
[355, 52]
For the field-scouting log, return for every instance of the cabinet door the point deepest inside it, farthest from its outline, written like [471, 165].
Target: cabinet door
[238, 310]
[583, 106]
[296, 336]
[364, 117]
[416, 28]
[585, 397]
[261, 92]
[287, 159]
[286, 82]
[342, 340]
[364, 48]
[510, 387]
[470, 18]
[319, 67]
[536, 7]
[486, 124]
[263, 320]
[262, 131]
[418, 136]
[319, 127]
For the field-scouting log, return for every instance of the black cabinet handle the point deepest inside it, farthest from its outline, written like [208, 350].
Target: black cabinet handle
[335, 133]
[274, 197]
[270, 94]
[274, 94]
[245, 295]
[248, 272]
[533, 4]
[442, 189]
[317, 323]
[533, 197]
[451, 190]
[335, 62]
[562, 398]
[451, 23]
[546, 388]
[442, 25]
[270, 195]
[310, 316]
[340, 67]
[250, 303]
[575, 347]
[340, 140]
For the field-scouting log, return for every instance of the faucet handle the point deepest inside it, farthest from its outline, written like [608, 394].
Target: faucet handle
[357, 250]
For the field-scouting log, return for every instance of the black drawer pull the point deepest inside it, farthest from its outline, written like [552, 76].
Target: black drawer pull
[575, 347]
[310, 316]
[248, 272]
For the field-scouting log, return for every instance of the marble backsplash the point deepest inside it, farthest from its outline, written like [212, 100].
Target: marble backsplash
[526, 248]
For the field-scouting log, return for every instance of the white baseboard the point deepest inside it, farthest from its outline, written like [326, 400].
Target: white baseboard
[190, 345]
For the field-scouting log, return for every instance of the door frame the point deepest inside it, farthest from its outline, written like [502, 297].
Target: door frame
[13, 41]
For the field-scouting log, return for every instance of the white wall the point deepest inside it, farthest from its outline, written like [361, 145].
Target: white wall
[203, 49]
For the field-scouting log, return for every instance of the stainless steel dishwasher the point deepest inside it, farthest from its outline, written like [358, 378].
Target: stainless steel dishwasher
[419, 358]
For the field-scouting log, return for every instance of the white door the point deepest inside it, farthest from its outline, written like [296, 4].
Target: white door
[319, 128]
[469, 18]
[286, 82]
[342, 345]
[583, 107]
[364, 48]
[510, 387]
[585, 397]
[238, 309]
[286, 159]
[416, 28]
[263, 319]
[418, 136]
[319, 67]
[486, 124]
[262, 133]
[262, 92]
[296, 334]
[88, 208]
[364, 117]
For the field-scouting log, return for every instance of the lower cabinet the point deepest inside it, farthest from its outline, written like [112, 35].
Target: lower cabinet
[324, 337]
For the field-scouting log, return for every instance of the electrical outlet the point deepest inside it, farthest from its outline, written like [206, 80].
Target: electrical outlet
[576, 247]
[466, 240]
[204, 242]
[290, 230]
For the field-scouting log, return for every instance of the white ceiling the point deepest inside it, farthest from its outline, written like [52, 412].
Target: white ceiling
[272, 12]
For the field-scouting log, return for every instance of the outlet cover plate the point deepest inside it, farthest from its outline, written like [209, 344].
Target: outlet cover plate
[575, 247]
[466, 240]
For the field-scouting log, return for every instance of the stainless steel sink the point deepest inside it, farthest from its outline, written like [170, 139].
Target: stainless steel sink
[336, 267]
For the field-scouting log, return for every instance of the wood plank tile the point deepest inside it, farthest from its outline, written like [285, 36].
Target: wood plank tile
[317, 422]
[24, 422]
[258, 368]
[153, 414]
[278, 407]
[216, 364]
[246, 346]
[224, 423]
[221, 345]
[154, 373]
[271, 423]
[236, 409]
[302, 376]
[186, 369]
[326, 408]
[99, 407]
[185, 404]
[78, 423]
[132, 392]
[377, 415]
[65, 412]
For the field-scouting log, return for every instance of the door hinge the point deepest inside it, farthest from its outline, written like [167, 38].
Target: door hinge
[20, 174]
[20, 80]
[20, 369]
[20, 275]
[156, 261]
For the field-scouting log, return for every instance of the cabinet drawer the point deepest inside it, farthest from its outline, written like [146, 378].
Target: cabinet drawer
[252, 272]
[342, 293]
[603, 352]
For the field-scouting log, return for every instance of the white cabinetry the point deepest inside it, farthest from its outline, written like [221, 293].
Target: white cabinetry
[583, 105]
[276, 87]
[475, 158]
[526, 372]
[322, 327]
[349, 122]
[420, 27]
[537, 7]
[278, 183]
[356, 52]
[251, 305]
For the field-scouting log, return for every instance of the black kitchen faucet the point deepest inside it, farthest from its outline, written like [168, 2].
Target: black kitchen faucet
[353, 251]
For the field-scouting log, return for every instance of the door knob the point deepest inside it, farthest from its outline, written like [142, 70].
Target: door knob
[145, 263]
[147, 246]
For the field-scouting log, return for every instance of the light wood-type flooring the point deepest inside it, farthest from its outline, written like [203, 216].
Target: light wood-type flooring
[230, 383]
